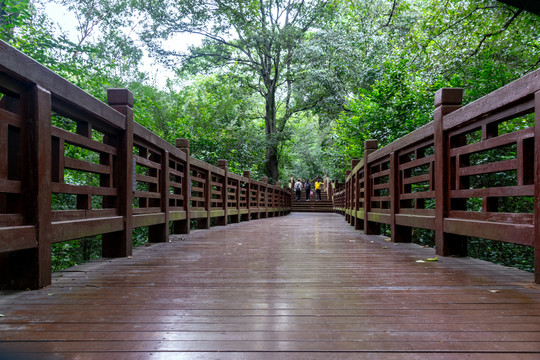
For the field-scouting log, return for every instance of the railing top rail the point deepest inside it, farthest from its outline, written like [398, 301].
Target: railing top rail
[25, 69]
[410, 139]
[151, 138]
[519, 91]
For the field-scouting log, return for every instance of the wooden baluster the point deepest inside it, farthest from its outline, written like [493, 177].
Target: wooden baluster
[446, 101]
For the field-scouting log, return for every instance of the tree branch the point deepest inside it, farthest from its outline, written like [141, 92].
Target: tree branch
[391, 13]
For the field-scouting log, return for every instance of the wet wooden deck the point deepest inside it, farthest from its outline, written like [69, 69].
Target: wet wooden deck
[304, 286]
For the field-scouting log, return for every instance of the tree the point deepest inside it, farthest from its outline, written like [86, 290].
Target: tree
[256, 37]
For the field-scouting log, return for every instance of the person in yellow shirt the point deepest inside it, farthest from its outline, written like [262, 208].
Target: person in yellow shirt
[318, 185]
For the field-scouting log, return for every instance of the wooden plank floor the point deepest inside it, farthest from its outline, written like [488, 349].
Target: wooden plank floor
[304, 286]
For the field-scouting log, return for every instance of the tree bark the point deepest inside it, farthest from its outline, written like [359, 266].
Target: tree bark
[272, 166]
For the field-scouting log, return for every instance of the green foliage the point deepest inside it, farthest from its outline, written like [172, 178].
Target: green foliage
[75, 252]
[258, 38]
[442, 44]
[518, 256]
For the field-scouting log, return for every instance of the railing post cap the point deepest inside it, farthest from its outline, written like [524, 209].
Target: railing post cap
[370, 144]
[222, 164]
[182, 143]
[448, 96]
[120, 97]
[348, 172]
[247, 173]
[278, 184]
[354, 162]
[264, 179]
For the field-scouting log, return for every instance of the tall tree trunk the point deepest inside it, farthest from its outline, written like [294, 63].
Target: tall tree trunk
[271, 168]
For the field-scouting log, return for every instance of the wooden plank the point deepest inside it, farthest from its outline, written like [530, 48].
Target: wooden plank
[11, 220]
[417, 195]
[9, 118]
[68, 230]
[416, 163]
[323, 291]
[82, 190]
[499, 166]
[146, 194]
[148, 163]
[525, 190]
[177, 215]
[65, 215]
[146, 210]
[148, 219]
[14, 238]
[198, 214]
[378, 216]
[512, 233]
[82, 141]
[10, 186]
[82, 165]
[147, 179]
[492, 143]
[416, 221]
[428, 212]
[515, 218]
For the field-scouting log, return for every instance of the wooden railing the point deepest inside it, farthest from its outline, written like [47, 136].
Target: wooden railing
[473, 171]
[72, 167]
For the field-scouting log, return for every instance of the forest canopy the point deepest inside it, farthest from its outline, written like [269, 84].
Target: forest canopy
[279, 87]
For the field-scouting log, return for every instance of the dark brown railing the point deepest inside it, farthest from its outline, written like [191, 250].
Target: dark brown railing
[473, 171]
[72, 167]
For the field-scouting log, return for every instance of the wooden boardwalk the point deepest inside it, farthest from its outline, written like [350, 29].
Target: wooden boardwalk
[303, 286]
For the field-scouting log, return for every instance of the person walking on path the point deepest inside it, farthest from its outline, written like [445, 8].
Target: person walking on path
[308, 189]
[298, 188]
[318, 184]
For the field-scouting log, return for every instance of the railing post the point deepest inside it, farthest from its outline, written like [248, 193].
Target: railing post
[237, 218]
[184, 226]
[347, 196]
[160, 232]
[370, 228]
[446, 101]
[31, 268]
[355, 193]
[265, 213]
[278, 194]
[537, 187]
[222, 164]
[400, 234]
[247, 174]
[119, 244]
